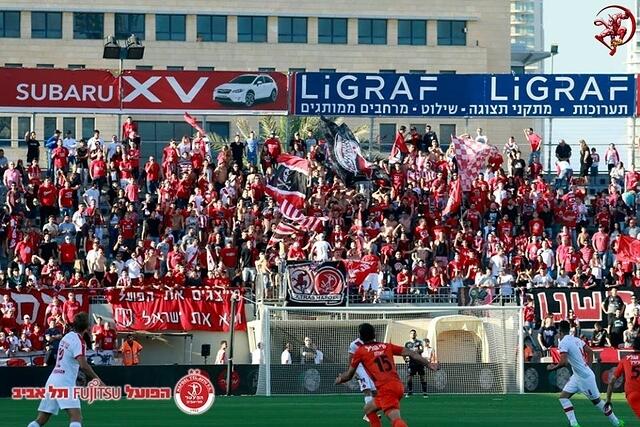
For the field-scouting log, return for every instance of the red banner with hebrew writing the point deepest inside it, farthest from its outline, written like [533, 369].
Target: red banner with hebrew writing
[35, 303]
[175, 310]
[585, 303]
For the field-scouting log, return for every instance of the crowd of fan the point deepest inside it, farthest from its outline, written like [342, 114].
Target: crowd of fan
[96, 217]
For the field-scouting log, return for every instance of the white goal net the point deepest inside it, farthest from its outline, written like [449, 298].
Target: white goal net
[479, 349]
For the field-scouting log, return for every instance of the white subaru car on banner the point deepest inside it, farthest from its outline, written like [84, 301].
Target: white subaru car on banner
[247, 89]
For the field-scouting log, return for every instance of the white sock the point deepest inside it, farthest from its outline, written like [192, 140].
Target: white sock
[368, 399]
[75, 424]
[608, 413]
[568, 411]
[33, 424]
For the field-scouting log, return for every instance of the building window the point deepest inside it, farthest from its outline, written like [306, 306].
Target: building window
[144, 67]
[387, 134]
[46, 25]
[50, 126]
[252, 29]
[447, 71]
[412, 32]
[88, 26]
[372, 31]
[44, 65]
[5, 130]
[219, 128]
[212, 28]
[88, 126]
[175, 68]
[12, 65]
[10, 24]
[76, 66]
[129, 23]
[387, 70]
[68, 124]
[206, 68]
[332, 30]
[171, 27]
[327, 70]
[418, 71]
[292, 30]
[24, 126]
[452, 33]
[297, 70]
[266, 69]
[446, 130]
[517, 69]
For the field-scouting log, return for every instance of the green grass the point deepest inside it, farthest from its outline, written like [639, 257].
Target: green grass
[531, 410]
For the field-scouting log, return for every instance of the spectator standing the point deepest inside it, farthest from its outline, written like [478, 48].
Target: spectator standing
[130, 351]
[238, 148]
[595, 162]
[563, 151]
[221, 355]
[547, 335]
[309, 353]
[52, 336]
[33, 147]
[535, 143]
[600, 337]
[585, 160]
[273, 148]
[70, 308]
[428, 139]
[253, 147]
[70, 144]
[50, 144]
[611, 157]
[285, 356]
[617, 327]
[129, 127]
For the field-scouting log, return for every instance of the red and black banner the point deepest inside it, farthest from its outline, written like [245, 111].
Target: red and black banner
[289, 182]
[316, 283]
[176, 310]
[344, 154]
[586, 304]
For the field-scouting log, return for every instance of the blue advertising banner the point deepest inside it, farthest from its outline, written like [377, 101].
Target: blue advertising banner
[464, 95]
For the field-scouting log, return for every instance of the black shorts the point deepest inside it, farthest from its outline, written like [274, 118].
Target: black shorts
[416, 369]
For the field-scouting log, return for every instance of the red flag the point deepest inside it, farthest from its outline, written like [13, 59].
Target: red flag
[193, 123]
[455, 198]
[399, 149]
[628, 249]
[306, 223]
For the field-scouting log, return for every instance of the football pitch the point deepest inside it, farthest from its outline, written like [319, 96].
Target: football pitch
[534, 410]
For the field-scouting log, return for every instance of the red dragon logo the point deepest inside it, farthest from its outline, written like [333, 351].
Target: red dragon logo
[614, 33]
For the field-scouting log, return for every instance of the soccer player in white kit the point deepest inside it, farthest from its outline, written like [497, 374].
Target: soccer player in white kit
[367, 387]
[574, 352]
[70, 358]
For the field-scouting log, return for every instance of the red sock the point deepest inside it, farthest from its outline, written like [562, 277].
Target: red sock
[374, 421]
[399, 423]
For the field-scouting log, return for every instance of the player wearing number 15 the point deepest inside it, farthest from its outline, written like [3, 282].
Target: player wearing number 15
[574, 352]
[630, 368]
[377, 359]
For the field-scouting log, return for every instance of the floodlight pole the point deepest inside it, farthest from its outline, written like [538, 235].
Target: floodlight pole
[633, 143]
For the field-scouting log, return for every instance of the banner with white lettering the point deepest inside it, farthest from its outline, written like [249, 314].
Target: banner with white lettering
[151, 91]
[51, 90]
[215, 92]
[586, 304]
[35, 303]
[316, 283]
[187, 309]
[464, 95]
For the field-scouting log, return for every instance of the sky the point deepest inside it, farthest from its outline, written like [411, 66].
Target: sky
[569, 24]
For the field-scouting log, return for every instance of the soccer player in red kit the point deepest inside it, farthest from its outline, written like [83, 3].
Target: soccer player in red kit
[377, 359]
[629, 367]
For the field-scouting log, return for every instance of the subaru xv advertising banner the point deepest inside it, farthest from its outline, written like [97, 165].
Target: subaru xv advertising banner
[464, 95]
[143, 91]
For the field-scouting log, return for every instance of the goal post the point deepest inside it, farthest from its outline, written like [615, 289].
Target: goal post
[479, 349]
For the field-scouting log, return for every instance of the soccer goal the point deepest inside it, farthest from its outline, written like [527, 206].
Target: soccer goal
[479, 349]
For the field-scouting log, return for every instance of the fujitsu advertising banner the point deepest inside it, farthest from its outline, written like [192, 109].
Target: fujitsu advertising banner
[51, 90]
[216, 92]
